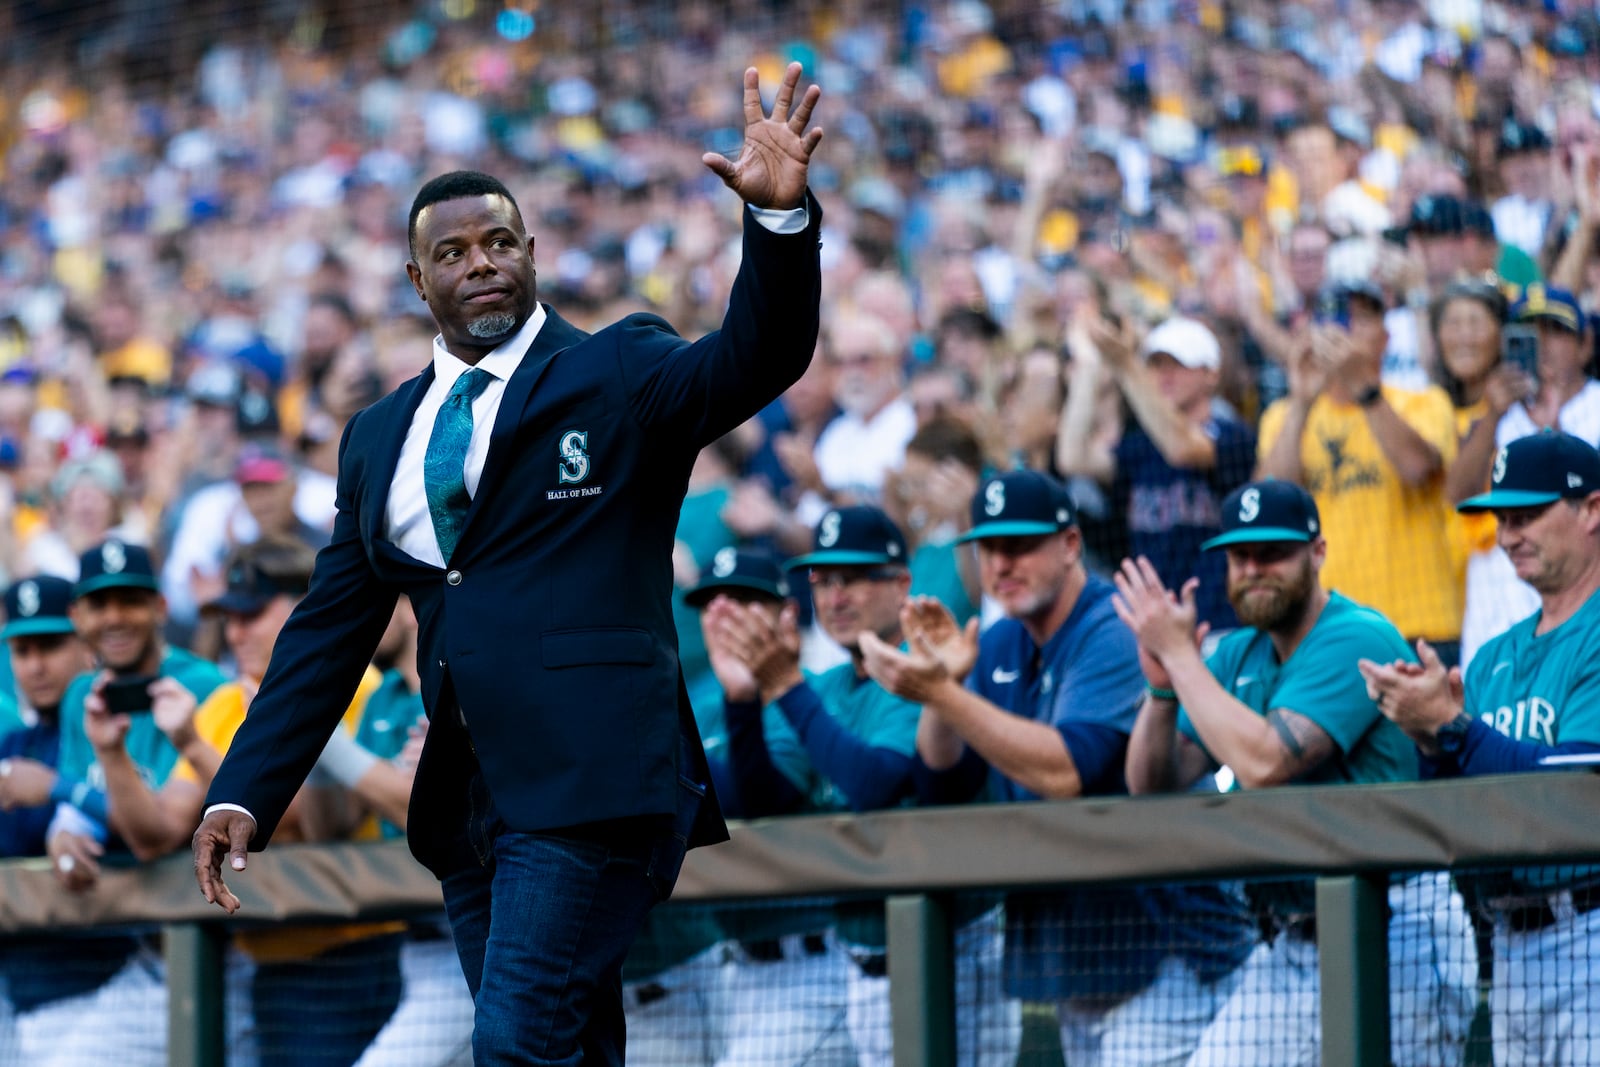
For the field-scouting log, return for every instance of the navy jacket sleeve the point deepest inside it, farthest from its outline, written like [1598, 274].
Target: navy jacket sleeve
[317, 663]
[705, 389]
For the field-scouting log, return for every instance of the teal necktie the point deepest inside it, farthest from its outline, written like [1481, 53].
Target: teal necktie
[444, 464]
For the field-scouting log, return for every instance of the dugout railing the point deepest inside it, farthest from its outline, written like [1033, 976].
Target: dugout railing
[1349, 837]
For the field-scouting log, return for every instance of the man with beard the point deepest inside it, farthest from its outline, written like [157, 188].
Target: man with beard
[1041, 709]
[1281, 702]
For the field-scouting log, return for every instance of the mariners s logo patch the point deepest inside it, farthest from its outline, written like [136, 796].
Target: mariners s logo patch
[1249, 505]
[994, 498]
[828, 530]
[574, 465]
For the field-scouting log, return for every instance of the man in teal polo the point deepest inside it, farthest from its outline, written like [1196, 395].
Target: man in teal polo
[1529, 701]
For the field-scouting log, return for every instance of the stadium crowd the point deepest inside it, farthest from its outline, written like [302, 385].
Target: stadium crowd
[1159, 339]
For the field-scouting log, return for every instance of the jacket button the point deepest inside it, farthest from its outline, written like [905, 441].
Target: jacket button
[453, 578]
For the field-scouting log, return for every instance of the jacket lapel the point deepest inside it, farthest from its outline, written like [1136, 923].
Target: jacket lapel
[555, 336]
[391, 437]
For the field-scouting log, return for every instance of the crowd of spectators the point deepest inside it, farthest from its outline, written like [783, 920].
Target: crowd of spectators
[1153, 248]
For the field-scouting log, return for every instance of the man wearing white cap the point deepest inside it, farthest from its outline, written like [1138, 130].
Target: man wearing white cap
[1184, 453]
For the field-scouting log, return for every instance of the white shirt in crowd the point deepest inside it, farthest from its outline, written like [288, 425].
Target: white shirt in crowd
[854, 454]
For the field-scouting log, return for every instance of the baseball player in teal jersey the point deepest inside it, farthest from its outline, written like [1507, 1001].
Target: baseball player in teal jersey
[1280, 702]
[1530, 697]
[119, 613]
[860, 744]
[118, 609]
[856, 742]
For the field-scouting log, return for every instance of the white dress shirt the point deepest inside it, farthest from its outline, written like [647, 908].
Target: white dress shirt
[406, 519]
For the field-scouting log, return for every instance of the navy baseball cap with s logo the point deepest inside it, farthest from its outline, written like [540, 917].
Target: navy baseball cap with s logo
[738, 568]
[1537, 470]
[115, 565]
[38, 605]
[1269, 510]
[1019, 503]
[858, 536]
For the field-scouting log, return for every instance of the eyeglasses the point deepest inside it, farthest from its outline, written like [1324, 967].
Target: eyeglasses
[833, 581]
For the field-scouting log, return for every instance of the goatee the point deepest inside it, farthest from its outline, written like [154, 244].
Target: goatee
[492, 326]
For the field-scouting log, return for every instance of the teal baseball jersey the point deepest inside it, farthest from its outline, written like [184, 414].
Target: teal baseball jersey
[935, 572]
[1320, 681]
[1543, 688]
[870, 713]
[152, 753]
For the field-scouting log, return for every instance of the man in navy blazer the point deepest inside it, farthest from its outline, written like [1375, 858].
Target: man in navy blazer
[562, 776]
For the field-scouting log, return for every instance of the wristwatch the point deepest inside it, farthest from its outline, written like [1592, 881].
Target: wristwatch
[1370, 395]
[1452, 736]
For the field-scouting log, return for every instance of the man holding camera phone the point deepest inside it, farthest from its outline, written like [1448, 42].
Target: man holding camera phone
[119, 612]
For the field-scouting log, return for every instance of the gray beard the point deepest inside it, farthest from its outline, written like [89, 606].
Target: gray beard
[492, 326]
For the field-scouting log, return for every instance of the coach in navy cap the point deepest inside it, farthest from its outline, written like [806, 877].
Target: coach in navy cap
[1536, 471]
[1041, 706]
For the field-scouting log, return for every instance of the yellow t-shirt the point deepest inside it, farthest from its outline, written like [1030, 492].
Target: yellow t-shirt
[216, 721]
[1388, 545]
[1470, 534]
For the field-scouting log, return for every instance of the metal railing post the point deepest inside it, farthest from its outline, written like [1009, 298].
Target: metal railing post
[1353, 960]
[195, 1023]
[922, 986]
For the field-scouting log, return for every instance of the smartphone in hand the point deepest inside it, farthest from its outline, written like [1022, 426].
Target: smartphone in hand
[129, 694]
[1520, 348]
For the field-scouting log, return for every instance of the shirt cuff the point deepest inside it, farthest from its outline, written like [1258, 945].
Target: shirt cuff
[781, 220]
[229, 807]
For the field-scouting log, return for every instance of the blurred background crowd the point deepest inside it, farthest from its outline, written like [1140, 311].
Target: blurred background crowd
[1152, 247]
[202, 219]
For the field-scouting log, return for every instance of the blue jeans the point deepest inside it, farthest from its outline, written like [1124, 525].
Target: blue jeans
[542, 925]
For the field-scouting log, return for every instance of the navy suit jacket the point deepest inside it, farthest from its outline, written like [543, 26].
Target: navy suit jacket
[552, 627]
